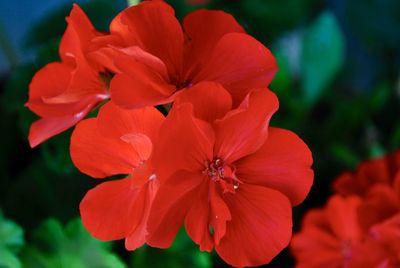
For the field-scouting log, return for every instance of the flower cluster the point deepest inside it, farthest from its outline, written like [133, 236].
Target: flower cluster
[360, 224]
[210, 162]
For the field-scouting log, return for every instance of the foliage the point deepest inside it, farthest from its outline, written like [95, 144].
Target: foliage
[72, 246]
[11, 241]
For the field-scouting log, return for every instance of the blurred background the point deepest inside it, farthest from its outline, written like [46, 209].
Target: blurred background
[338, 85]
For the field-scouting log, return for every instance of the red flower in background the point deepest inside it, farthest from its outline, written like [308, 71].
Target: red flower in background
[377, 171]
[62, 93]
[329, 235]
[378, 182]
[154, 58]
[228, 176]
[118, 142]
[374, 215]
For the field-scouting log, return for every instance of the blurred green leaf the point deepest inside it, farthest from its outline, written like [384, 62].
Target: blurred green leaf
[183, 253]
[344, 154]
[11, 241]
[56, 247]
[322, 56]
[379, 96]
[272, 17]
[133, 2]
[395, 140]
[56, 155]
[282, 80]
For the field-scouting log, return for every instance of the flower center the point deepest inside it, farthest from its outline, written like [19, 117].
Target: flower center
[222, 174]
[105, 78]
[181, 83]
[184, 84]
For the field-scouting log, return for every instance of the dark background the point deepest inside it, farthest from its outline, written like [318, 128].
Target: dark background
[338, 85]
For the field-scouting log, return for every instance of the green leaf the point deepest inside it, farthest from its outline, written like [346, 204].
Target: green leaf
[133, 2]
[8, 259]
[57, 247]
[182, 253]
[11, 241]
[322, 56]
[283, 80]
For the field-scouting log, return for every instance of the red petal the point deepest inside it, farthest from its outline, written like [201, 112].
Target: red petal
[138, 236]
[260, 228]
[388, 234]
[208, 211]
[203, 29]
[243, 130]
[282, 163]
[240, 63]
[380, 203]
[100, 156]
[220, 213]
[105, 55]
[368, 173]
[171, 204]
[186, 143]
[342, 216]
[210, 100]
[118, 209]
[197, 220]
[316, 246]
[77, 36]
[50, 81]
[115, 122]
[138, 85]
[84, 82]
[48, 127]
[148, 23]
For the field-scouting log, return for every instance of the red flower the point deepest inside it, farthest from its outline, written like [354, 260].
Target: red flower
[62, 93]
[378, 182]
[367, 209]
[333, 237]
[118, 142]
[155, 58]
[229, 177]
[381, 248]
[377, 171]
[329, 236]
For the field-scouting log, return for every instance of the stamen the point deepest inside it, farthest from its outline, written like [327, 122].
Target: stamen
[222, 174]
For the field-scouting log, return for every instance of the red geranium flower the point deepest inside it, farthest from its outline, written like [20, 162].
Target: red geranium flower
[381, 247]
[334, 237]
[378, 182]
[228, 176]
[62, 93]
[154, 58]
[118, 142]
[329, 236]
[377, 171]
[368, 208]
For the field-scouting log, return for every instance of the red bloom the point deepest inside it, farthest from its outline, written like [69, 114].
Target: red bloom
[62, 93]
[378, 182]
[229, 177]
[155, 58]
[381, 247]
[118, 142]
[329, 235]
[368, 209]
[377, 171]
[334, 237]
